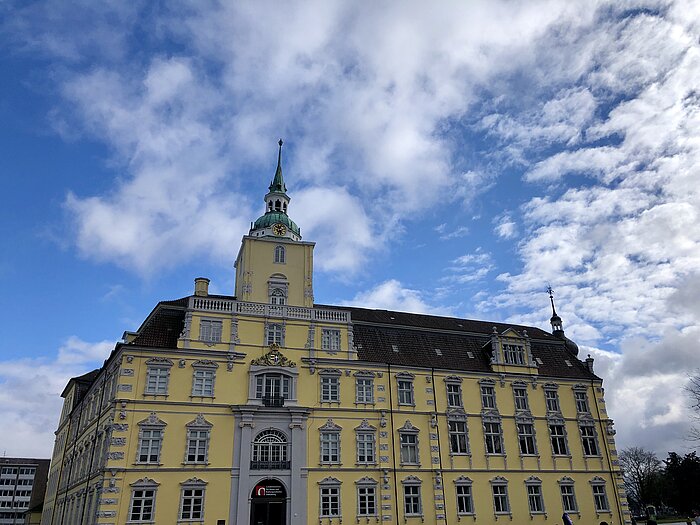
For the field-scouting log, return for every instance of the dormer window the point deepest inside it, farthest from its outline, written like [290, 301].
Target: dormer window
[514, 354]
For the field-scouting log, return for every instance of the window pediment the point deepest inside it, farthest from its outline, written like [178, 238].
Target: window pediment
[194, 481]
[205, 363]
[453, 379]
[152, 421]
[330, 372]
[330, 481]
[199, 421]
[144, 482]
[273, 358]
[408, 427]
[366, 481]
[159, 361]
[365, 426]
[330, 426]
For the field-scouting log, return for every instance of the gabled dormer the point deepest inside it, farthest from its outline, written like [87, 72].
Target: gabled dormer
[510, 351]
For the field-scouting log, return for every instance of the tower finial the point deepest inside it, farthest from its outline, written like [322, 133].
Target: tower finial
[277, 184]
[551, 299]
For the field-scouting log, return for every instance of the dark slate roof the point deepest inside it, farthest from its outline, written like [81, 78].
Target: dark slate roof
[163, 327]
[406, 339]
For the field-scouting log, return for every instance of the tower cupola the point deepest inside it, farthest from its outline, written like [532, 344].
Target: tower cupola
[276, 222]
[558, 327]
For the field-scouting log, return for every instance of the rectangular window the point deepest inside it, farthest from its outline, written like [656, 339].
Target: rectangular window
[149, 447]
[526, 438]
[405, 392]
[197, 443]
[330, 389]
[520, 395]
[330, 447]
[330, 339]
[590, 444]
[411, 500]
[366, 501]
[551, 397]
[458, 437]
[330, 502]
[558, 435]
[465, 505]
[514, 354]
[500, 499]
[492, 434]
[409, 448]
[454, 395]
[600, 498]
[274, 334]
[364, 390]
[203, 382]
[210, 330]
[534, 499]
[581, 402]
[192, 504]
[488, 397]
[568, 498]
[142, 501]
[365, 447]
[272, 385]
[157, 379]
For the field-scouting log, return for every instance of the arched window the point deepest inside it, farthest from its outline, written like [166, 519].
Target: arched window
[278, 205]
[270, 451]
[280, 255]
[277, 297]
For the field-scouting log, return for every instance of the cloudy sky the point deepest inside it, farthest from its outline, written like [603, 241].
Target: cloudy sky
[451, 157]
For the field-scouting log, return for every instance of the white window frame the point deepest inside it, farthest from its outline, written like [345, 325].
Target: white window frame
[601, 502]
[329, 438]
[529, 438]
[465, 499]
[330, 339]
[280, 255]
[330, 388]
[454, 394]
[139, 493]
[366, 447]
[366, 492]
[203, 378]
[412, 497]
[198, 431]
[551, 399]
[146, 429]
[568, 495]
[329, 498]
[364, 390]
[274, 334]
[409, 446]
[210, 330]
[454, 434]
[514, 354]
[520, 399]
[271, 445]
[494, 438]
[589, 437]
[581, 399]
[404, 388]
[260, 384]
[558, 438]
[277, 297]
[157, 376]
[499, 493]
[488, 397]
[535, 497]
[192, 486]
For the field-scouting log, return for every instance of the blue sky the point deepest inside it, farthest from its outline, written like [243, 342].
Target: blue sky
[453, 158]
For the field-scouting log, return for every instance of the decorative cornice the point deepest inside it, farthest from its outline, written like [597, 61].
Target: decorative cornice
[162, 361]
[405, 375]
[330, 372]
[330, 426]
[499, 480]
[330, 481]
[205, 363]
[152, 421]
[463, 480]
[408, 427]
[453, 379]
[194, 481]
[411, 480]
[199, 421]
[533, 479]
[144, 482]
[366, 481]
[365, 426]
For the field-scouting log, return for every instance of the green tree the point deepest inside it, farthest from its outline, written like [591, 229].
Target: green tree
[641, 471]
[682, 479]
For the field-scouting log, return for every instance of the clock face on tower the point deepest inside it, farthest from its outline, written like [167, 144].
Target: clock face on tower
[279, 229]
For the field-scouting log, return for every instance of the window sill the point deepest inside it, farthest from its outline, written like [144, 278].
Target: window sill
[146, 464]
[593, 456]
[202, 397]
[365, 403]
[608, 511]
[330, 464]
[331, 516]
[330, 402]
[466, 513]
[155, 395]
[196, 463]
[410, 464]
[561, 456]
[462, 454]
[366, 464]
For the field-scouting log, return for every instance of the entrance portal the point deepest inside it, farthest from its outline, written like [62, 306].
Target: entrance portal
[268, 504]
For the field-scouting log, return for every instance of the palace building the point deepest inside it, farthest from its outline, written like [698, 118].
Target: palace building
[264, 408]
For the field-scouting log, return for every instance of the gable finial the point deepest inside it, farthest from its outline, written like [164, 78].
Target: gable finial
[551, 299]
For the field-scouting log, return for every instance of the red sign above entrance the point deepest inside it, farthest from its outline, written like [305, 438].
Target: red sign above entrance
[271, 489]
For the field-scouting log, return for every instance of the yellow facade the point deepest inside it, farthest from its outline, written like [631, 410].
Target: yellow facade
[172, 428]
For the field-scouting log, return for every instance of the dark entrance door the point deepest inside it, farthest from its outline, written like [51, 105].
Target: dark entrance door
[268, 503]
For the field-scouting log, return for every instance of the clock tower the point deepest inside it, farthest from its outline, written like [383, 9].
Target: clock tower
[274, 265]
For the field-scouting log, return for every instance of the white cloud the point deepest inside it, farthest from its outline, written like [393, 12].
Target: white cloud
[506, 227]
[392, 295]
[33, 414]
[441, 229]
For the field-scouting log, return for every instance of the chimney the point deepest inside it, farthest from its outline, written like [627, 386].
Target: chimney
[201, 286]
[589, 363]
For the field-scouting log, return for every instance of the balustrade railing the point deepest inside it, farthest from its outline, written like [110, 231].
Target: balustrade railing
[210, 304]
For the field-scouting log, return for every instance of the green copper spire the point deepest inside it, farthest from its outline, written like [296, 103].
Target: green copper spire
[277, 185]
